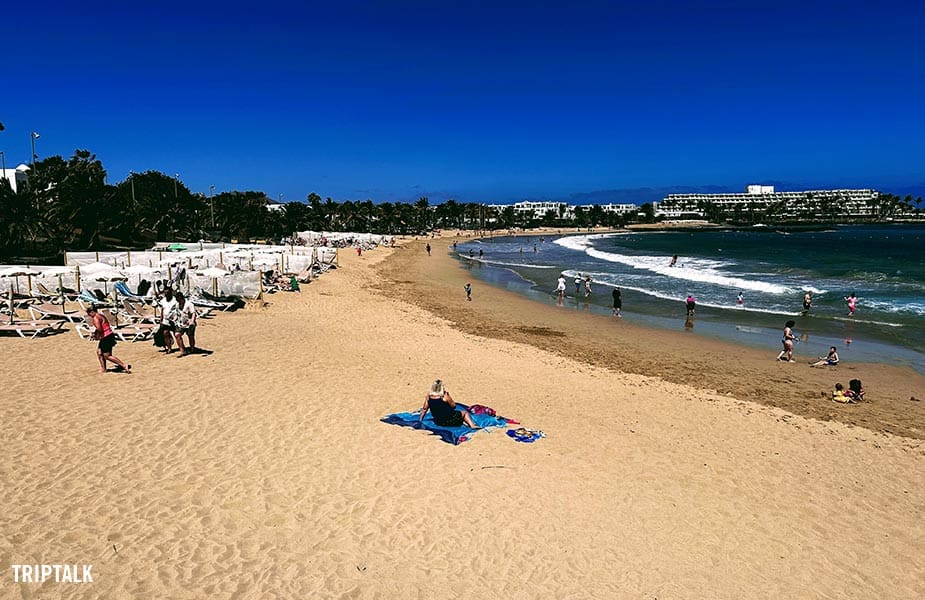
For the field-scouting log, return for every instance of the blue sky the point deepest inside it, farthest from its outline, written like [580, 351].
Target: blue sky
[481, 101]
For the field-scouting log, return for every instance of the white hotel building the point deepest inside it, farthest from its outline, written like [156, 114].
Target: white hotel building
[17, 177]
[851, 203]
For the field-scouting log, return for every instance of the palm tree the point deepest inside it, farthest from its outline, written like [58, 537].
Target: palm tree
[422, 206]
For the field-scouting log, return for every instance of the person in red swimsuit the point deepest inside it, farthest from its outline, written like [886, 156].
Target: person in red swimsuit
[107, 340]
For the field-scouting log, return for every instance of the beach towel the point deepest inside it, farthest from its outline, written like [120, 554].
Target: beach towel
[527, 436]
[453, 435]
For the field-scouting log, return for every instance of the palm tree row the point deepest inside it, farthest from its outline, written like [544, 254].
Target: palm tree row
[68, 205]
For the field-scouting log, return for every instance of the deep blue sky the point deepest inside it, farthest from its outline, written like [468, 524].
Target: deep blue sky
[480, 101]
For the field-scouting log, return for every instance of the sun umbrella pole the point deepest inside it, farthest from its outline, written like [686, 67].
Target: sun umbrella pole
[77, 275]
[12, 310]
[129, 258]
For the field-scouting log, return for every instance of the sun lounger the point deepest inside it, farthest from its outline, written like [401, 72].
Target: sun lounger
[136, 313]
[53, 296]
[135, 332]
[125, 292]
[32, 329]
[54, 311]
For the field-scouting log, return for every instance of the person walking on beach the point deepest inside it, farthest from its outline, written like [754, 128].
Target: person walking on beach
[691, 304]
[560, 288]
[102, 331]
[468, 291]
[427, 247]
[787, 353]
[617, 302]
[587, 286]
[852, 301]
[807, 302]
[740, 301]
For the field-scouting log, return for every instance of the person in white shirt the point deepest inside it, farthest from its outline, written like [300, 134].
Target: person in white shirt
[168, 306]
[186, 315]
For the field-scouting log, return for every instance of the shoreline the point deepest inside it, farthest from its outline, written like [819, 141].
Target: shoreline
[743, 372]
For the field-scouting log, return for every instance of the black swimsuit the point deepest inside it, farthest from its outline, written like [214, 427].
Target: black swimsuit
[444, 414]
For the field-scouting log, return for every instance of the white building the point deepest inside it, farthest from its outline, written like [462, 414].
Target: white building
[17, 177]
[808, 203]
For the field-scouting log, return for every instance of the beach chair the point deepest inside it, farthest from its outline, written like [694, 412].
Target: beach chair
[86, 300]
[137, 314]
[125, 292]
[32, 329]
[54, 297]
[53, 311]
[135, 332]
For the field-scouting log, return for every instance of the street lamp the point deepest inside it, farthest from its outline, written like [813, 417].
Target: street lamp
[176, 177]
[34, 137]
[131, 178]
[212, 204]
[3, 162]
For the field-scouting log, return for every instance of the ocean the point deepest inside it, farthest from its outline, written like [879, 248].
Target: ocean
[884, 265]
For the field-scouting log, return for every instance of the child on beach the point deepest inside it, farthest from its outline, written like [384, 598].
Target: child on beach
[691, 304]
[830, 359]
[469, 291]
[587, 285]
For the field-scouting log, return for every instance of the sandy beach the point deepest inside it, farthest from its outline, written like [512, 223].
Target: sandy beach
[264, 471]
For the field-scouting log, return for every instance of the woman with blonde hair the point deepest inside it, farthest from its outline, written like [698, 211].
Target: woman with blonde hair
[443, 408]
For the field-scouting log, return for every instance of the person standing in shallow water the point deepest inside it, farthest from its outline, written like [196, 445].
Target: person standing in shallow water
[617, 302]
[807, 302]
[852, 301]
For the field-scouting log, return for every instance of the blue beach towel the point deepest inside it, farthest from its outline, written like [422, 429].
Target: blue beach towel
[453, 435]
[527, 436]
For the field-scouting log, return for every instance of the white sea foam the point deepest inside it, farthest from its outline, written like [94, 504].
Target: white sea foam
[701, 271]
[512, 264]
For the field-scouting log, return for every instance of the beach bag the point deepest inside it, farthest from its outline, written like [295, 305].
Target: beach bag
[159, 337]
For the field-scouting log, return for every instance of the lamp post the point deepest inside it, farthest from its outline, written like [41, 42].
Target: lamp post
[131, 178]
[34, 136]
[3, 162]
[176, 178]
[212, 205]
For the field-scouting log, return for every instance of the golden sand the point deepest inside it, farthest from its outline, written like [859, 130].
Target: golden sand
[263, 470]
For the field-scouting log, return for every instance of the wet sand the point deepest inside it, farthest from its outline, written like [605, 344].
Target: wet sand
[737, 371]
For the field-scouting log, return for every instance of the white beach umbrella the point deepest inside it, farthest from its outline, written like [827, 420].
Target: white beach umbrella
[17, 272]
[214, 273]
[107, 275]
[94, 267]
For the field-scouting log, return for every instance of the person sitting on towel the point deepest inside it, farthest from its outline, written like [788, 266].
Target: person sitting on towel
[442, 406]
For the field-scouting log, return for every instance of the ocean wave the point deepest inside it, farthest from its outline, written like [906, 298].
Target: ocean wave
[510, 264]
[691, 271]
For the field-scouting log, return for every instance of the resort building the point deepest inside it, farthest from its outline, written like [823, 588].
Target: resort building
[763, 198]
[17, 177]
